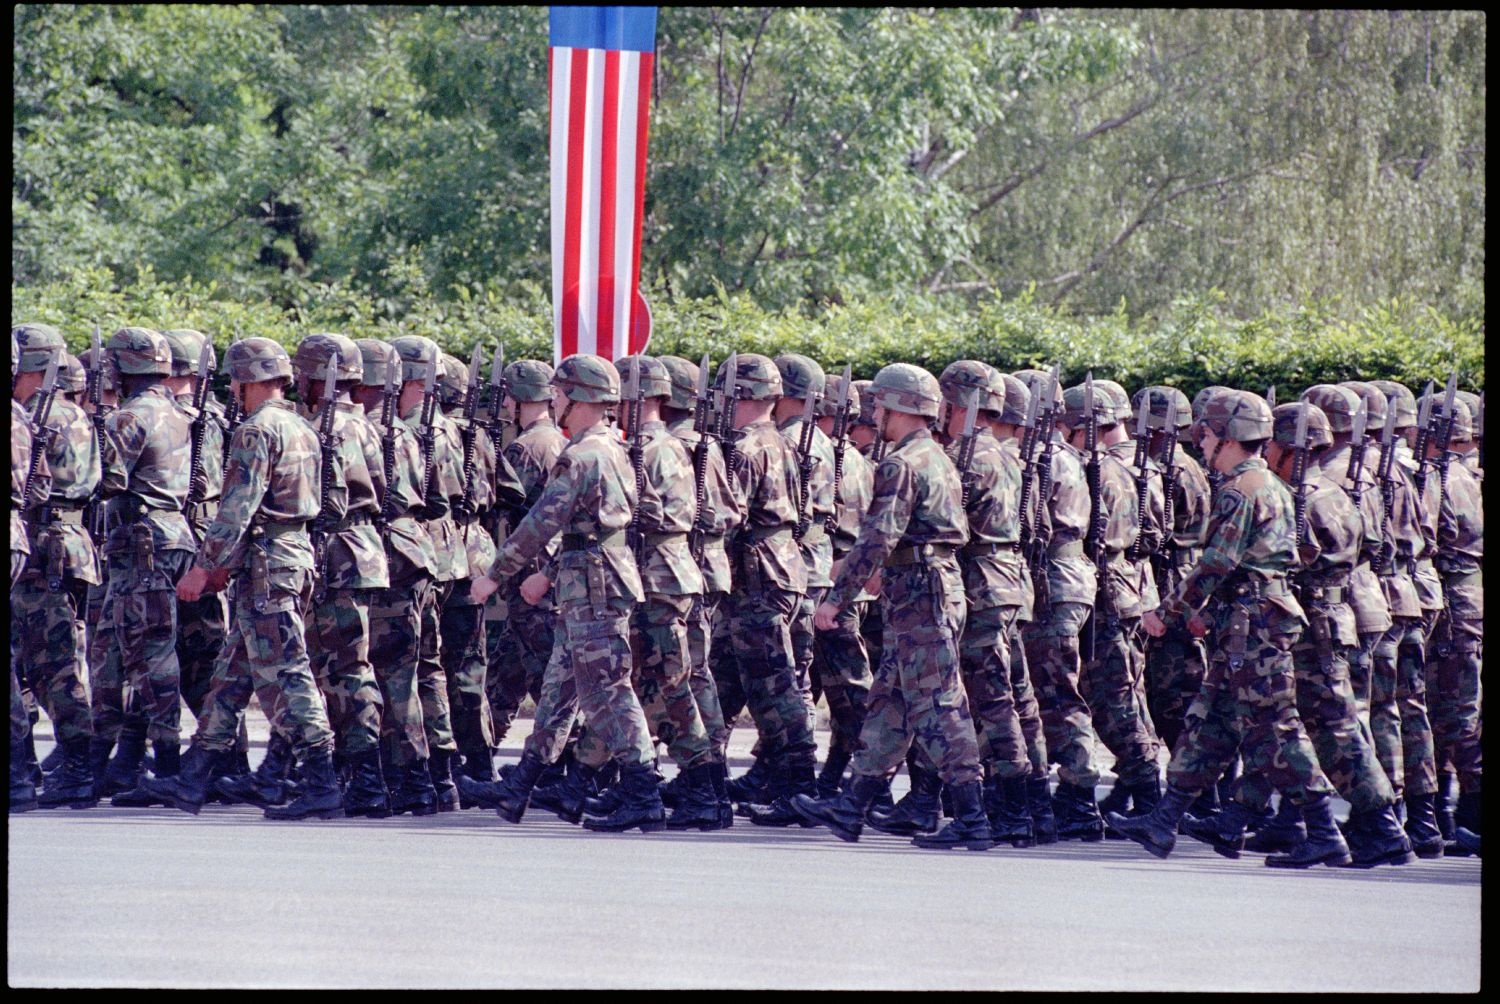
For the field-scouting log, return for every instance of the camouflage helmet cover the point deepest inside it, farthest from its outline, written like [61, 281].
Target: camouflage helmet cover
[418, 354]
[1471, 399]
[1105, 406]
[140, 351]
[756, 377]
[801, 377]
[110, 379]
[1238, 415]
[35, 345]
[1400, 395]
[1463, 421]
[908, 389]
[828, 407]
[529, 380]
[859, 390]
[1338, 402]
[1161, 397]
[683, 375]
[255, 360]
[588, 379]
[656, 380]
[962, 379]
[453, 387]
[70, 375]
[1201, 398]
[186, 345]
[1117, 396]
[1017, 399]
[315, 351]
[375, 358]
[1374, 401]
[1285, 418]
[1037, 381]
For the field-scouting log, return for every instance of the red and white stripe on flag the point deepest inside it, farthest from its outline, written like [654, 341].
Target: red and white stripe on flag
[599, 86]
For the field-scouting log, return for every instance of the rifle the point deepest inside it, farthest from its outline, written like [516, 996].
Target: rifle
[840, 444]
[1299, 477]
[700, 460]
[197, 476]
[1424, 433]
[1357, 454]
[1169, 492]
[728, 404]
[1041, 531]
[1098, 519]
[1445, 439]
[470, 433]
[966, 441]
[388, 449]
[94, 514]
[41, 433]
[637, 450]
[1383, 475]
[232, 416]
[805, 464]
[1271, 396]
[323, 522]
[1143, 474]
[498, 391]
[427, 434]
[1028, 470]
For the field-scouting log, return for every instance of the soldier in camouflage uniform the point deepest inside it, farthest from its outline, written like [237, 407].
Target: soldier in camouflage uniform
[588, 499]
[864, 434]
[47, 642]
[351, 565]
[258, 545]
[909, 539]
[1470, 451]
[523, 641]
[22, 753]
[147, 547]
[1248, 698]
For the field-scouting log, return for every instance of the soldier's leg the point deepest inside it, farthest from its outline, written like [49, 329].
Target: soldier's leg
[395, 630]
[804, 645]
[1053, 659]
[340, 637]
[1108, 684]
[106, 679]
[557, 705]
[462, 625]
[1455, 695]
[937, 710]
[885, 735]
[660, 655]
[1210, 736]
[146, 630]
[432, 682]
[1419, 767]
[701, 679]
[48, 649]
[1385, 716]
[985, 661]
[843, 665]
[1027, 710]
[1361, 671]
[724, 667]
[505, 673]
[276, 651]
[599, 649]
[760, 632]
[1325, 703]
[1274, 746]
[201, 627]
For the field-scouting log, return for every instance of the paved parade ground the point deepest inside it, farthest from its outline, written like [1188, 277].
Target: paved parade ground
[113, 897]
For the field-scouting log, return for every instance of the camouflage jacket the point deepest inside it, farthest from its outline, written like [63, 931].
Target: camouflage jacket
[212, 459]
[1424, 576]
[531, 454]
[270, 493]
[1327, 558]
[408, 548]
[1251, 538]
[1191, 501]
[1460, 552]
[917, 501]
[356, 556]
[664, 515]
[722, 509]
[447, 484]
[20, 466]
[1406, 534]
[145, 466]
[1132, 585]
[1071, 577]
[766, 483]
[73, 460]
[994, 573]
[589, 497]
[817, 548]
[1367, 597]
[494, 486]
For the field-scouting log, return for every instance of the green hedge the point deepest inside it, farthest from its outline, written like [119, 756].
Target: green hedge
[1192, 346]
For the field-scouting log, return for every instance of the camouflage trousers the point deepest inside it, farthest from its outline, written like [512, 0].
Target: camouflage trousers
[1113, 684]
[463, 658]
[395, 639]
[20, 721]
[1408, 732]
[1361, 673]
[841, 668]
[589, 674]
[917, 696]
[106, 694]
[265, 652]
[338, 643]
[1325, 703]
[1249, 706]
[1175, 664]
[201, 627]
[1454, 695]
[138, 650]
[759, 626]
[729, 684]
[1053, 659]
[517, 649]
[659, 653]
[49, 650]
[985, 657]
[432, 681]
[700, 627]
[804, 648]
[1028, 711]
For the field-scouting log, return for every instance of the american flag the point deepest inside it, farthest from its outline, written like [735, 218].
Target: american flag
[599, 85]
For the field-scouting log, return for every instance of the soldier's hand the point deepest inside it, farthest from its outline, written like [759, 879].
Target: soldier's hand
[218, 581]
[1153, 624]
[483, 588]
[825, 618]
[534, 589]
[1197, 626]
[191, 585]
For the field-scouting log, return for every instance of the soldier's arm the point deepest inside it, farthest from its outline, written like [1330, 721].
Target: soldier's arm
[880, 531]
[1228, 530]
[552, 512]
[125, 438]
[245, 482]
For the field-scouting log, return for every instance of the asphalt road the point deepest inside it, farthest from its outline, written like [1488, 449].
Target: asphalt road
[110, 897]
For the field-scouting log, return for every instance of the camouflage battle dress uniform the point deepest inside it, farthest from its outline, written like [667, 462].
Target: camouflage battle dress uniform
[22, 753]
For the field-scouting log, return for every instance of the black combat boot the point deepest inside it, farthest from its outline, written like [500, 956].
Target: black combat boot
[831, 777]
[33, 769]
[479, 765]
[511, 796]
[845, 814]
[697, 806]
[1117, 801]
[124, 771]
[414, 792]
[1442, 803]
[918, 811]
[1466, 817]
[443, 786]
[366, 794]
[791, 775]
[52, 760]
[188, 790]
[1077, 814]
[1206, 805]
[640, 805]
[1156, 830]
[1378, 839]
[167, 763]
[884, 802]
[580, 786]
[1005, 805]
[1225, 833]
[1284, 832]
[969, 828]
[1324, 844]
[671, 790]
[22, 791]
[1039, 806]
[71, 785]
[321, 797]
[1421, 826]
[750, 787]
[1467, 840]
[266, 785]
[720, 777]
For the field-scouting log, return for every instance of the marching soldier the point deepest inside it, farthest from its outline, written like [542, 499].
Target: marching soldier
[23, 480]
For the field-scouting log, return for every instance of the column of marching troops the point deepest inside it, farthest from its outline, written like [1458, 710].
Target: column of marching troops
[983, 575]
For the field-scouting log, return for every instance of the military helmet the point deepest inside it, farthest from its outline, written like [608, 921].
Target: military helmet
[1338, 402]
[1286, 417]
[588, 378]
[375, 361]
[36, 345]
[1400, 396]
[756, 377]
[1016, 399]
[186, 345]
[1201, 398]
[656, 381]
[1238, 415]
[140, 351]
[453, 386]
[1471, 399]
[1374, 401]
[89, 360]
[255, 360]
[801, 377]
[1106, 407]
[529, 380]
[418, 354]
[1156, 411]
[1117, 396]
[962, 379]
[908, 389]
[1037, 382]
[1463, 421]
[830, 403]
[683, 376]
[1030, 376]
[314, 352]
[71, 378]
[859, 390]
